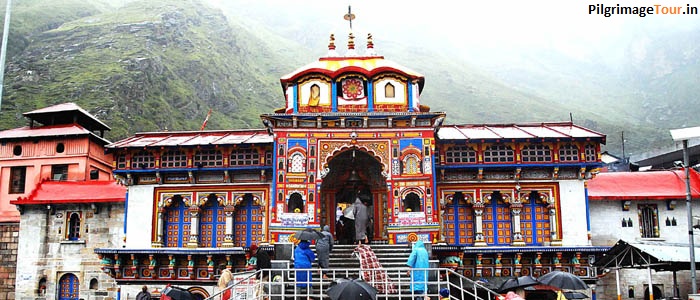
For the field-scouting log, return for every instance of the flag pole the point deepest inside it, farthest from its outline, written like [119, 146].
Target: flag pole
[204, 124]
[5, 32]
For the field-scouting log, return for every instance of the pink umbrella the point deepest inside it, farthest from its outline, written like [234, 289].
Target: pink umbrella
[513, 296]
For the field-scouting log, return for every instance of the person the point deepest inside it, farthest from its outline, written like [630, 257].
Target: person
[348, 220]
[361, 221]
[444, 294]
[143, 294]
[260, 261]
[338, 213]
[324, 247]
[225, 280]
[418, 259]
[303, 257]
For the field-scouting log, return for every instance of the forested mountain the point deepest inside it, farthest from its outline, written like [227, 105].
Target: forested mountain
[157, 65]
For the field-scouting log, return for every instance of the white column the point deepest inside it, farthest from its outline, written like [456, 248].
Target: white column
[617, 281]
[194, 229]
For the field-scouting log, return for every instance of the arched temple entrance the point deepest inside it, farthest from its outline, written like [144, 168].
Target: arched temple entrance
[351, 174]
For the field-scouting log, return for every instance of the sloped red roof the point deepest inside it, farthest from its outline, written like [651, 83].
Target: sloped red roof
[48, 131]
[48, 192]
[654, 185]
[194, 138]
[552, 130]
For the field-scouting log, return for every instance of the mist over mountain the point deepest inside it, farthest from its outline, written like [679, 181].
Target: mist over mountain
[158, 65]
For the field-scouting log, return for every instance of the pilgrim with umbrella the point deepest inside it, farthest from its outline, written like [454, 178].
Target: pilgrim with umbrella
[304, 256]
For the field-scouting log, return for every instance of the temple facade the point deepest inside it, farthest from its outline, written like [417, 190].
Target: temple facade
[494, 200]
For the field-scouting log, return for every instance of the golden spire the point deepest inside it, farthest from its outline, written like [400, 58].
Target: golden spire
[351, 41]
[331, 44]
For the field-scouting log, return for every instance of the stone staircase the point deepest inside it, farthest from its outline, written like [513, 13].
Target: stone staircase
[343, 264]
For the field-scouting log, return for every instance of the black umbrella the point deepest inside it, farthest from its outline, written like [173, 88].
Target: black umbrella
[563, 280]
[351, 289]
[308, 234]
[177, 293]
[575, 295]
[517, 282]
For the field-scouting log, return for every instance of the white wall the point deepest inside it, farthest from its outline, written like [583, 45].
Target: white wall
[573, 213]
[606, 222]
[139, 220]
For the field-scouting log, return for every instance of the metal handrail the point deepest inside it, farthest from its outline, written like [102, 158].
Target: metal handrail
[281, 283]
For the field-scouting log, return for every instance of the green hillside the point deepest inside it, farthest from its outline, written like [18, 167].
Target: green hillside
[148, 66]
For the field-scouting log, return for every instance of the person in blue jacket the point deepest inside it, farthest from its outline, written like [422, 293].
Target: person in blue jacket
[303, 257]
[418, 260]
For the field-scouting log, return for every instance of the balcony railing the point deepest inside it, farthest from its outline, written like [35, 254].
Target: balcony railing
[282, 284]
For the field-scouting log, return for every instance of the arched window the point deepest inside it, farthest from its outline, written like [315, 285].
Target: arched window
[74, 226]
[208, 158]
[459, 221]
[460, 154]
[177, 223]
[412, 203]
[41, 289]
[173, 159]
[411, 164]
[534, 219]
[499, 153]
[496, 222]
[245, 157]
[389, 90]
[536, 153]
[212, 223]
[69, 287]
[248, 222]
[591, 154]
[94, 284]
[295, 204]
[143, 159]
[568, 153]
[297, 163]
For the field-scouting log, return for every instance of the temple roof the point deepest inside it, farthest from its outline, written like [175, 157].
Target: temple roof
[194, 138]
[66, 113]
[368, 64]
[562, 131]
[48, 131]
[50, 192]
[667, 185]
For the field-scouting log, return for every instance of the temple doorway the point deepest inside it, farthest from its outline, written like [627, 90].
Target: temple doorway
[354, 174]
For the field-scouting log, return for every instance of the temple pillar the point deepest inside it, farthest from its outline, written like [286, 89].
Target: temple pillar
[516, 207]
[159, 242]
[479, 240]
[193, 241]
[229, 211]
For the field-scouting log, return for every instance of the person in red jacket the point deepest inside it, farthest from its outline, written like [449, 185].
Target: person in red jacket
[224, 283]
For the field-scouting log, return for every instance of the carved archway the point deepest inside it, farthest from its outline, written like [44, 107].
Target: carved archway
[354, 173]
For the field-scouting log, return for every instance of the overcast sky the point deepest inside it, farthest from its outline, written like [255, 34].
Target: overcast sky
[563, 25]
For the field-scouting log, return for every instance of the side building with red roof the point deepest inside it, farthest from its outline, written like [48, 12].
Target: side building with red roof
[647, 210]
[58, 186]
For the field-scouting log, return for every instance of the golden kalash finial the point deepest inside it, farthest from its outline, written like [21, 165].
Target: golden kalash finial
[370, 46]
[351, 41]
[331, 44]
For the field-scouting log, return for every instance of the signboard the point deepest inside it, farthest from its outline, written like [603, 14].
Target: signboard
[292, 219]
[411, 218]
[246, 287]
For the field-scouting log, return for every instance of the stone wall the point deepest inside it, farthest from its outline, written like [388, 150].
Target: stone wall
[9, 238]
[48, 255]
